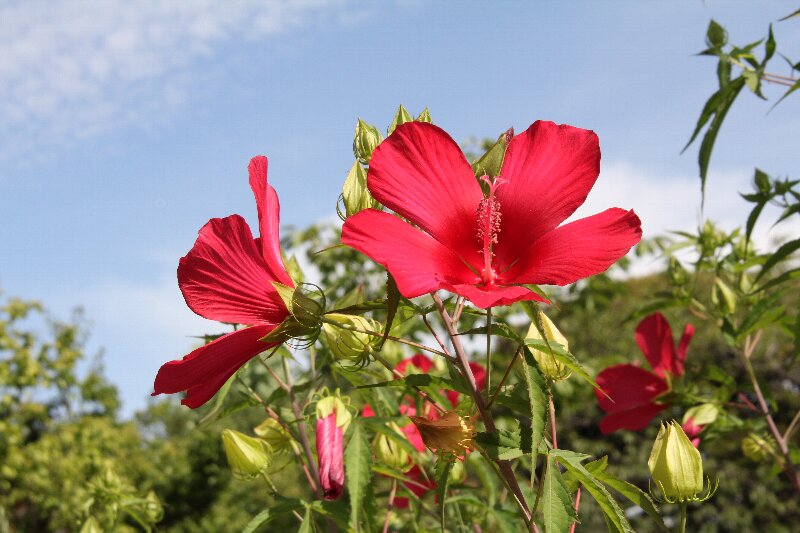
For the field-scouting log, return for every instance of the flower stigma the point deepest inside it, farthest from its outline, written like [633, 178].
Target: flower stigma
[488, 215]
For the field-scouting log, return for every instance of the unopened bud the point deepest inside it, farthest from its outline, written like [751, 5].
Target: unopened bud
[758, 448]
[425, 116]
[91, 526]
[366, 138]
[355, 195]
[677, 274]
[389, 452]
[305, 309]
[550, 367]
[247, 456]
[676, 465]
[271, 431]
[346, 337]
[153, 507]
[332, 404]
[723, 297]
[458, 474]
[401, 117]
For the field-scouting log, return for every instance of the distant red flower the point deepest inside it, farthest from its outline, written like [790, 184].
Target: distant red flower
[227, 276]
[692, 431]
[633, 390]
[485, 247]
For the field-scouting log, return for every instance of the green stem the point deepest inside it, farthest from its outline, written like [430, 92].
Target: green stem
[488, 384]
[683, 518]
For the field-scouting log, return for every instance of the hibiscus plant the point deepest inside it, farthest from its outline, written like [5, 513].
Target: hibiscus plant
[409, 372]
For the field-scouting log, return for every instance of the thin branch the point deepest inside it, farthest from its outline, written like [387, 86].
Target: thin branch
[435, 336]
[388, 337]
[553, 420]
[488, 384]
[792, 427]
[378, 357]
[390, 506]
[486, 416]
[505, 376]
[577, 505]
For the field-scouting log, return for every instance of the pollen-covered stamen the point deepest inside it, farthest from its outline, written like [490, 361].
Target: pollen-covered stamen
[488, 215]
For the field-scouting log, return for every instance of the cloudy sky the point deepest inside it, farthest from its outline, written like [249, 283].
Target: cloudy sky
[125, 126]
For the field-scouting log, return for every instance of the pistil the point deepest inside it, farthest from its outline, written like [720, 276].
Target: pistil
[488, 215]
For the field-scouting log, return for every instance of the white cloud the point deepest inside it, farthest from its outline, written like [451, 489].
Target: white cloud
[74, 69]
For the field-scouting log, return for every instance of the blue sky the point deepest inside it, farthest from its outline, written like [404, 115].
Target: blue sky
[125, 127]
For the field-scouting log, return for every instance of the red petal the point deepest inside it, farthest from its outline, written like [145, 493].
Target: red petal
[654, 337]
[269, 211]
[224, 277]
[686, 338]
[550, 170]
[577, 250]
[418, 263]
[634, 419]
[627, 386]
[493, 296]
[206, 369]
[479, 373]
[419, 360]
[421, 173]
[412, 433]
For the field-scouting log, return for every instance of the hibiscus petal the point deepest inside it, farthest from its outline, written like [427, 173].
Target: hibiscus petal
[418, 262]
[421, 173]
[224, 277]
[680, 354]
[654, 337]
[577, 250]
[635, 419]
[420, 361]
[627, 386]
[485, 297]
[549, 171]
[206, 369]
[269, 211]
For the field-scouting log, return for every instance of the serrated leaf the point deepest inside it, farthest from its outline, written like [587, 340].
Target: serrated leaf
[357, 460]
[634, 494]
[504, 444]
[573, 462]
[557, 507]
[538, 397]
[258, 520]
[563, 357]
[786, 250]
[442, 474]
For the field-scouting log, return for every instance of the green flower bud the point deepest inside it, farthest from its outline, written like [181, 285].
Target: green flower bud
[276, 436]
[676, 465]
[247, 456]
[366, 138]
[762, 182]
[677, 274]
[153, 508]
[305, 311]
[723, 297]
[355, 195]
[345, 338]
[758, 448]
[389, 452]
[425, 116]
[458, 474]
[401, 117]
[328, 405]
[550, 367]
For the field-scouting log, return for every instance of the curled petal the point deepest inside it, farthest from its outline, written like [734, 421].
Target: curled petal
[548, 171]
[203, 372]
[654, 337]
[269, 211]
[577, 250]
[683, 346]
[330, 454]
[419, 263]
[224, 277]
[420, 172]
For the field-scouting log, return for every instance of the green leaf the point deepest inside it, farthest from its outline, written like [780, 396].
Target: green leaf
[504, 444]
[753, 217]
[791, 89]
[633, 493]
[538, 397]
[392, 301]
[308, 524]
[563, 357]
[219, 401]
[442, 474]
[790, 15]
[258, 520]
[556, 501]
[786, 250]
[491, 162]
[357, 460]
[572, 461]
[716, 36]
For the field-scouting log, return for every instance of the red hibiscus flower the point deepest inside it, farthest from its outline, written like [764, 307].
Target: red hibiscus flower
[632, 390]
[227, 276]
[484, 247]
